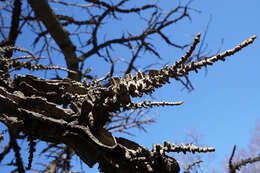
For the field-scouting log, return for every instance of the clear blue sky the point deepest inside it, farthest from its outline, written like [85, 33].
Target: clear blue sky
[224, 106]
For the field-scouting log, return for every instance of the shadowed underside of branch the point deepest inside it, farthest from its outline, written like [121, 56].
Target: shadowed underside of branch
[75, 113]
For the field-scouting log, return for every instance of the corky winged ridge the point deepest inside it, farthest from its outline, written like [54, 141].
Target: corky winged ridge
[75, 113]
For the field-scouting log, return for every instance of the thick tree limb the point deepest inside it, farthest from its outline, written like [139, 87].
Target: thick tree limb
[76, 115]
[30, 105]
[46, 15]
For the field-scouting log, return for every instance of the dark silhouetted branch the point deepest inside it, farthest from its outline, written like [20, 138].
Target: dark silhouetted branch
[46, 15]
[234, 167]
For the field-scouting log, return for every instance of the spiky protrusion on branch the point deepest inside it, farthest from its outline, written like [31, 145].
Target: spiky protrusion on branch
[146, 104]
[31, 105]
[13, 64]
[141, 83]
[171, 147]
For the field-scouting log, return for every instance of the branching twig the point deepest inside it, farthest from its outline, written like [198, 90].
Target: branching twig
[187, 169]
[233, 167]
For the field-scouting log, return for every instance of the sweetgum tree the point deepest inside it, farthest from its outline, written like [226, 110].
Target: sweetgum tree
[75, 113]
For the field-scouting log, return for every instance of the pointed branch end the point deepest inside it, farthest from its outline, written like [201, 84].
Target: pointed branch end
[198, 35]
[179, 103]
[252, 39]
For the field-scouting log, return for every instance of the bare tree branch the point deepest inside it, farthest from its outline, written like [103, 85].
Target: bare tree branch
[234, 167]
[187, 169]
[16, 148]
[14, 30]
[75, 117]
[46, 15]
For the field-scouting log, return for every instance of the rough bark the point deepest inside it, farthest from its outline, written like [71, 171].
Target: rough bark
[74, 113]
